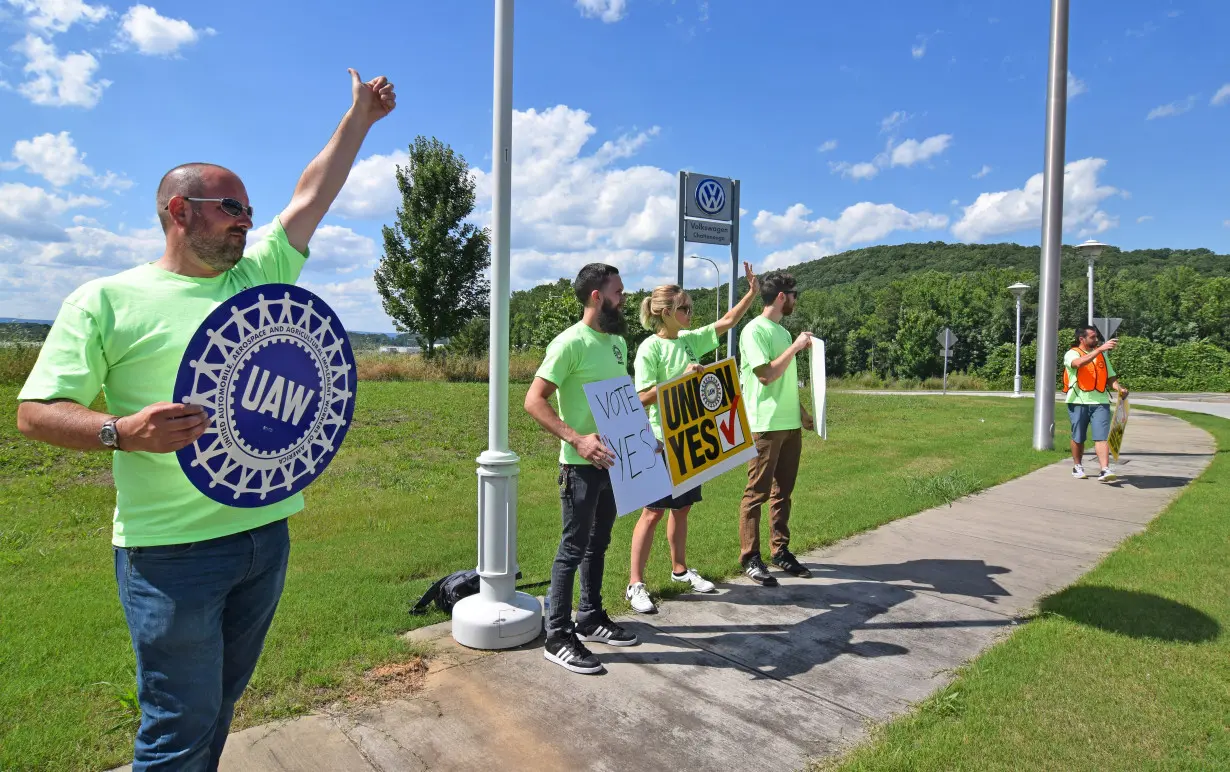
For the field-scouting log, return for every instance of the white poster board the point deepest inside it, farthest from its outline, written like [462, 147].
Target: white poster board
[639, 476]
[818, 395]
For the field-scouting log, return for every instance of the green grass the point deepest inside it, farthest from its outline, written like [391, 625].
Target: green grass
[395, 510]
[1127, 669]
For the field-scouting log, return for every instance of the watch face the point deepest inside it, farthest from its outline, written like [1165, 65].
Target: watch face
[107, 434]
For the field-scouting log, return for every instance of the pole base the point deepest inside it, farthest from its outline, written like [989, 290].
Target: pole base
[479, 623]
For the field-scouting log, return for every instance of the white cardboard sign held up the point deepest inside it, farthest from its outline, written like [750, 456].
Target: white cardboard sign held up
[639, 476]
[818, 394]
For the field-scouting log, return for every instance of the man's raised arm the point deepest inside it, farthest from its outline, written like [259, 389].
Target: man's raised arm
[324, 177]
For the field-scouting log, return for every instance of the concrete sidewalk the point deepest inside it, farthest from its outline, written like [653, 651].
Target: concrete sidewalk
[760, 677]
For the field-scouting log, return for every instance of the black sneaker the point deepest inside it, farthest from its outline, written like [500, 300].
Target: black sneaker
[569, 653]
[787, 562]
[602, 630]
[755, 569]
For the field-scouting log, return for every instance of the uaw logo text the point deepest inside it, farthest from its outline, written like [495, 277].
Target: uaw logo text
[710, 196]
[274, 369]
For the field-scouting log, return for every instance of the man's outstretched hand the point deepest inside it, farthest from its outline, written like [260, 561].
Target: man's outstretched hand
[374, 99]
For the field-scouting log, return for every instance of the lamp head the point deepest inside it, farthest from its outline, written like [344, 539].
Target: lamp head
[1090, 249]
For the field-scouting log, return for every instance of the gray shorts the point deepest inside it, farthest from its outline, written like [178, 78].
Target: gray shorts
[1083, 416]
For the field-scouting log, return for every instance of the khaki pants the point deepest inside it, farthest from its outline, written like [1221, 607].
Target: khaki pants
[770, 477]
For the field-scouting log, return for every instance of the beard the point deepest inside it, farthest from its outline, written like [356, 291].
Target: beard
[788, 308]
[611, 319]
[220, 253]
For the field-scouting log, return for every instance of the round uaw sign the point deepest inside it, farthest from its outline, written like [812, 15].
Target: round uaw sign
[273, 368]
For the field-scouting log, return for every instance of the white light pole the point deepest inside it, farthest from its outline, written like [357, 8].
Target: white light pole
[1018, 290]
[717, 294]
[498, 617]
[1090, 251]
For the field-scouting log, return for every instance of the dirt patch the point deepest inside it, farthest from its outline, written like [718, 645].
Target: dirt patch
[398, 679]
[98, 477]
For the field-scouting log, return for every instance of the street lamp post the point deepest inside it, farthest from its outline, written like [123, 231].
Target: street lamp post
[1052, 226]
[498, 617]
[717, 294]
[1090, 251]
[1018, 290]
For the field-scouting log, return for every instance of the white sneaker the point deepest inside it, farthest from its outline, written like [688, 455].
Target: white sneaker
[1078, 472]
[1107, 476]
[698, 582]
[638, 596]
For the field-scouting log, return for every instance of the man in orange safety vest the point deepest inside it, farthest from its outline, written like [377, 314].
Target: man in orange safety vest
[1087, 374]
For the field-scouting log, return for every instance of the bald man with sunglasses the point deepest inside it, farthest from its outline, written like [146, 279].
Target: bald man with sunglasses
[198, 581]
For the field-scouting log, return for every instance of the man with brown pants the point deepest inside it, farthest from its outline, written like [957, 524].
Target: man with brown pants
[771, 392]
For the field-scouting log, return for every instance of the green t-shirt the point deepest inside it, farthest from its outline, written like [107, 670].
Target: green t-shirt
[659, 360]
[776, 406]
[126, 334]
[1075, 395]
[581, 355]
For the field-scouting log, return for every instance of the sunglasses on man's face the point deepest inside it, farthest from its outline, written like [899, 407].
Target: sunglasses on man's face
[231, 206]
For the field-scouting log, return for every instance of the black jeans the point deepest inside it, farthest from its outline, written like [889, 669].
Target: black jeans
[587, 503]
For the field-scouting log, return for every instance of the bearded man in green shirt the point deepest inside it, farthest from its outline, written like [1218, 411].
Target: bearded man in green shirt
[591, 350]
[199, 581]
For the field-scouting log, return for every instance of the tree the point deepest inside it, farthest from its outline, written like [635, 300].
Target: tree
[430, 276]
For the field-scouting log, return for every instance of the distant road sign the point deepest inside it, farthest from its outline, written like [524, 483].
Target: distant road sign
[947, 338]
[1107, 325]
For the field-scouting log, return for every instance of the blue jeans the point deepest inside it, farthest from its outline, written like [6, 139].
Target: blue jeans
[197, 614]
[587, 505]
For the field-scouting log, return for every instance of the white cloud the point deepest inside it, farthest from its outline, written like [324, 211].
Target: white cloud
[912, 151]
[1222, 96]
[1076, 86]
[565, 200]
[56, 82]
[53, 157]
[906, 153]
[828, 146]
[1226, 223]
[28, 212]
[893, 121]
[611, 11]
[919, 50]
[54, 16]
[1144, 218]
[858, 224]
[97, 247]
[984, 171]
[156, 35]
[859, 171]
[1010, 211]
[1172, 109]
[371, 188]
[56, 159]
[339, 249]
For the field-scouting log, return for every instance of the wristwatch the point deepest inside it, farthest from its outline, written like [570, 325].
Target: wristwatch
[108, 435]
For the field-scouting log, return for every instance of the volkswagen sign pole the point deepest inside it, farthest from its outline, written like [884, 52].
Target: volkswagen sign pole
[498, 617]
[708, 213]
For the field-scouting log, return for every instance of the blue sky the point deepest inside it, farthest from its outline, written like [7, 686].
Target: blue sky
[849, 124]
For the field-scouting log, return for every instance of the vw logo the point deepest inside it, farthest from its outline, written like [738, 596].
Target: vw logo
[710, 197]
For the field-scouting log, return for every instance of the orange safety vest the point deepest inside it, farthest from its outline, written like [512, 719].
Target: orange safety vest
[1089, 377]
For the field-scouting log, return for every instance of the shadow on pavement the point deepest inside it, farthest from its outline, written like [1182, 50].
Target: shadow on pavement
[750, 638]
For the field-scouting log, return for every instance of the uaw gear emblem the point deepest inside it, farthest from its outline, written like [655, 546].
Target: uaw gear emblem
[274, 370]
[711, 392]
[710, 196]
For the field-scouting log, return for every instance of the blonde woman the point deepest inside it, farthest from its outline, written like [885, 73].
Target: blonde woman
[670, 352]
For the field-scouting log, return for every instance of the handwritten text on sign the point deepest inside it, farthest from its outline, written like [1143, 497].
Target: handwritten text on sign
[704, 425]
[639, 476]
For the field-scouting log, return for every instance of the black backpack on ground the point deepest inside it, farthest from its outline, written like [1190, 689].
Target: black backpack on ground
[446, 591]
